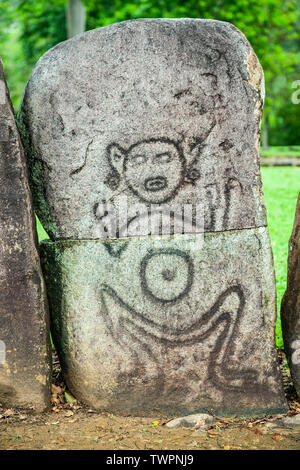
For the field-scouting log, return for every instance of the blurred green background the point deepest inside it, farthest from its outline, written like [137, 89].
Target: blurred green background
[29, 28]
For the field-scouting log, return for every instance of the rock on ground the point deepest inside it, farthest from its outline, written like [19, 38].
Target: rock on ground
[191, 421]
[292, 420]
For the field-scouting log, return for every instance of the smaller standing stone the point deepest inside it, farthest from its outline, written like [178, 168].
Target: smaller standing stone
[290, 307]
[24, 331]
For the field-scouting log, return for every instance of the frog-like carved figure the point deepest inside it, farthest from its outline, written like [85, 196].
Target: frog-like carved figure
[166, 277]
[157, 172]
[152, 171]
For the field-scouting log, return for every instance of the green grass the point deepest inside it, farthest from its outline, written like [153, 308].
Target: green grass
[281, 187]
[42, 234]
[293, 151]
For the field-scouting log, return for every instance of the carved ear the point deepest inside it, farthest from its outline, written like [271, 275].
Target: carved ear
[116, 155]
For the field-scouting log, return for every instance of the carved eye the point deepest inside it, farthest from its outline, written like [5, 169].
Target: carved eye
[162, 157]
[138, 159]
[117, 156]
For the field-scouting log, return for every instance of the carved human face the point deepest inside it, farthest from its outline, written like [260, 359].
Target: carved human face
[154, 170]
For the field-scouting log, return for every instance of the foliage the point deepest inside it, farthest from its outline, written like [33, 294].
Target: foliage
[11, 51]
[28, 28]
[43, 24]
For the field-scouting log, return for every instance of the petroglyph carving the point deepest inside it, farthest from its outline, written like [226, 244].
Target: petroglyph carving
[154, 171]
[166, 276]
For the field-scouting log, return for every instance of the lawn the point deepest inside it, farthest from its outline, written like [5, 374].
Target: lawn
[281, 187]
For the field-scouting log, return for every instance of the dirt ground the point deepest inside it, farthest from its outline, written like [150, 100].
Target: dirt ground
[85, 430]
[69, 426]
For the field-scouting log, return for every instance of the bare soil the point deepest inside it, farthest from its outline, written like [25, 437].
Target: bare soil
[86, 430]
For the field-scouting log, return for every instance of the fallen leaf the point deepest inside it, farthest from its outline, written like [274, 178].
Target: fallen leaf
[213, 433]
[54, 399]
[200, 423]
[69, 413]
[8, 413]
[201, 426]
[55, 389]
[22, 417]
[277, 437]
[257, 431]
[70, 399]
[231, 447]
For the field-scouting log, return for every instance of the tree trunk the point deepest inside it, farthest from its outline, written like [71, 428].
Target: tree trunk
[75, 18]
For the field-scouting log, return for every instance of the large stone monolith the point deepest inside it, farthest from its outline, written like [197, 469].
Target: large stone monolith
[290, 306]
[25, 362]
[150, 313]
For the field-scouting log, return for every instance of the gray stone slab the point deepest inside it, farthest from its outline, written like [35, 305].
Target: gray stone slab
[174, 325]
[157, 110]
[290, 306]
[287, 422]
[25, 360]
[292, 420]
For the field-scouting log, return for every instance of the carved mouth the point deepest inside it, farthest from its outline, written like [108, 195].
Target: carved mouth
[155, 184]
